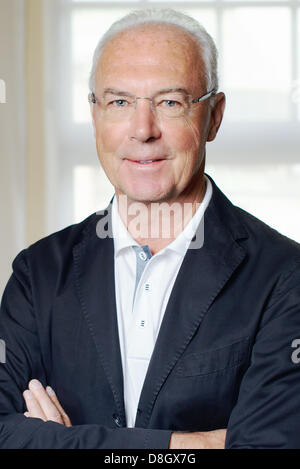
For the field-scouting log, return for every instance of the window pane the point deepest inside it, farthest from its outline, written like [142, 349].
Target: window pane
[257, 63]
[269, 192]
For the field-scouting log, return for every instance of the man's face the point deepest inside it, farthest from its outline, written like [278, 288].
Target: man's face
[143, 62]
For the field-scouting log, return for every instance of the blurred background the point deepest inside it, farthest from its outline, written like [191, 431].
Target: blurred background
[50, 176]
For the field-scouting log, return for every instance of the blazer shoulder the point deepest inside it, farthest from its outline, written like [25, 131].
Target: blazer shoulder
[267, 241]
[57, 246]
[260, 238]
[70, 235]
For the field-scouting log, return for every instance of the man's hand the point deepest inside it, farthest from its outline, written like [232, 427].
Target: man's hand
[43, 404]
[198, 440]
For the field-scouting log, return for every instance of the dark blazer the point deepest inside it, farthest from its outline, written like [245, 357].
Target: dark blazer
[223, 357]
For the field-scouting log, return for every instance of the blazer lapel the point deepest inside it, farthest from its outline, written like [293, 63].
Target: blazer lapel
[203, 274]
[95, 284]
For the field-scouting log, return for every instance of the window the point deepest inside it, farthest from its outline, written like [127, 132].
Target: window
[256, 156]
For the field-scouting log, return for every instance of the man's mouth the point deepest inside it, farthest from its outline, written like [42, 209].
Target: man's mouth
[145, 162]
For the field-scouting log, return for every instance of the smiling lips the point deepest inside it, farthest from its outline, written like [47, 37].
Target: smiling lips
[145, 162]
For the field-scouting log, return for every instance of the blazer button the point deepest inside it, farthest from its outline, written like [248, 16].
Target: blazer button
[117, 420]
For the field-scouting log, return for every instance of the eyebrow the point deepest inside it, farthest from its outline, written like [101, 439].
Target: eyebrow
[126, 93]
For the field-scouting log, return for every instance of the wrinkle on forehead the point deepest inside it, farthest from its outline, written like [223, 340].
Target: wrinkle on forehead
[151, 45]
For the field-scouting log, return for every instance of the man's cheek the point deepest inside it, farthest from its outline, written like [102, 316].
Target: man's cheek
[187, 137]
[194, 138]
[109, 139]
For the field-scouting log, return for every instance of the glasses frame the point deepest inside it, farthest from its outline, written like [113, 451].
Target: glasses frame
[94, 100]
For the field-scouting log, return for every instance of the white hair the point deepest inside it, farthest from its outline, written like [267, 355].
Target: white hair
[164, 16]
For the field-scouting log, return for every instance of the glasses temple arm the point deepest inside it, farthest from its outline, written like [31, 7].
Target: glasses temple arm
[205, 96]
[92, 98]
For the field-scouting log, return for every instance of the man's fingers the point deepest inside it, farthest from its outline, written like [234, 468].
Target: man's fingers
[33, 407]
[44, 404]
[56, 402]
[49, 409]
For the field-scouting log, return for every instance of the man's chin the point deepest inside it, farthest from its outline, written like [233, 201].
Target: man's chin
[143, 195]
[146, 198]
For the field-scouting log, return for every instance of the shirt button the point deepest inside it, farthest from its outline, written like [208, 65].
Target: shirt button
[147, 286]
[143, 256]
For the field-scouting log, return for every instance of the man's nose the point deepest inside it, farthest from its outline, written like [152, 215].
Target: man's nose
[144, 123]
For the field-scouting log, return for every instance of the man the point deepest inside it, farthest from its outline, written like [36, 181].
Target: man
[154, 340]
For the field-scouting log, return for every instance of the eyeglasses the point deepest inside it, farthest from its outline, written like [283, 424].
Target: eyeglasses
[165, 104]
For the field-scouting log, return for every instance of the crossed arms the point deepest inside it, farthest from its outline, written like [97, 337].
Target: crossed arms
[43, 404]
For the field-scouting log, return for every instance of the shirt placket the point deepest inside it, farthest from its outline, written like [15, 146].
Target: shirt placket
[141, 345]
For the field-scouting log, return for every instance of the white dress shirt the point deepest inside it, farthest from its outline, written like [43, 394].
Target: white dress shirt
[141, 307]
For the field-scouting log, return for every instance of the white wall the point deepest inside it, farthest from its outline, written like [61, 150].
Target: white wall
[12, 136]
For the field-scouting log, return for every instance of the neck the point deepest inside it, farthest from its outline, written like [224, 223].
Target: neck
[157, 224]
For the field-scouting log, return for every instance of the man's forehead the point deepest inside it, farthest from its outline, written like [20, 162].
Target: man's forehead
[151, 42]
[151, 47]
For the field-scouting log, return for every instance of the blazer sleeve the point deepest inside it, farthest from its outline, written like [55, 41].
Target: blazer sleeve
[22, 361]
[267, 412]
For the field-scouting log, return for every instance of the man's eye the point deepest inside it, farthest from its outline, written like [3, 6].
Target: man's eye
[119, 102]
[171, 103]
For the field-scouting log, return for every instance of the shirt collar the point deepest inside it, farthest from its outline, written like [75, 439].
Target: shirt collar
[181, 243]
[122, 238]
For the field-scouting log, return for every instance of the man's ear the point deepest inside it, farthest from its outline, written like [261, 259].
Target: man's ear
[216, 117]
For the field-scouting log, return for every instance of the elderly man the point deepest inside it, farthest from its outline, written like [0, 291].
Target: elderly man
[148, 339]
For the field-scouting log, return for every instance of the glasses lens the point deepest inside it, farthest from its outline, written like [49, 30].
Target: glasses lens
[171, 104]
[117, 106]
